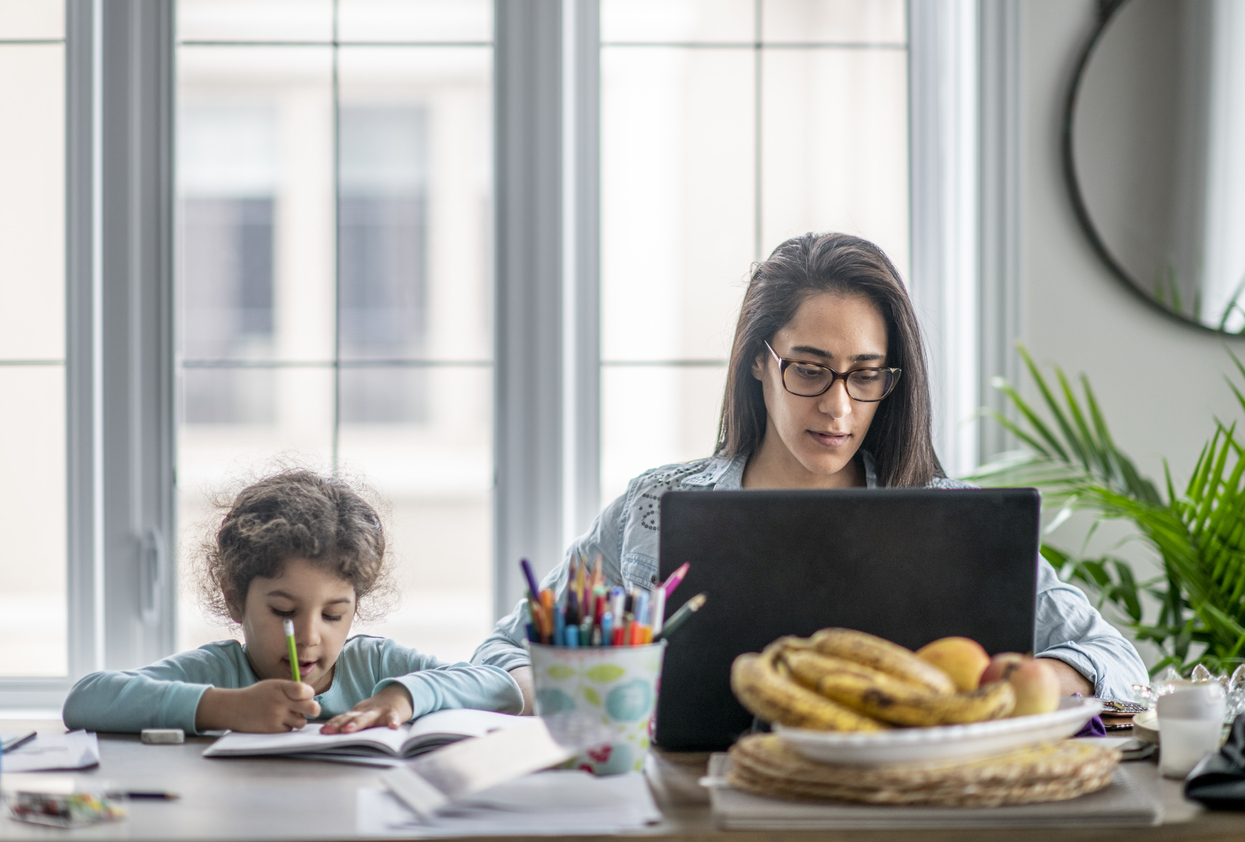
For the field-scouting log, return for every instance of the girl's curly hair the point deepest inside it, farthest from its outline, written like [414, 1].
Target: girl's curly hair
[297, 514]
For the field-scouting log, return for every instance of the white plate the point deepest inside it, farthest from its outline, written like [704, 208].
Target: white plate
[942, 743]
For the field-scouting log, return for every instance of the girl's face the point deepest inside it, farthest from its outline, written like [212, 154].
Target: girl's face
[809, 442]
[322, 606]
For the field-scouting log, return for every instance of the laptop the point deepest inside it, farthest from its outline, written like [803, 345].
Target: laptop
[909, 565]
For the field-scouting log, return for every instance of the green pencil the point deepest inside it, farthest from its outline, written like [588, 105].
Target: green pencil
[680, 617]
[289, 639]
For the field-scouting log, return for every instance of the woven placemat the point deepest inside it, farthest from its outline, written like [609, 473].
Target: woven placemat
[765, 764]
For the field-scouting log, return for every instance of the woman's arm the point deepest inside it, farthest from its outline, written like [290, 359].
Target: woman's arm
[504, 647]
[1071, 631]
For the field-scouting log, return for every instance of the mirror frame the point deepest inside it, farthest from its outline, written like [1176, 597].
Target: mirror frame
[1107, 9]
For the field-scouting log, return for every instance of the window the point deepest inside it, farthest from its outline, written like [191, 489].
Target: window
[33, 599]
[334, 197]
[728, 126]
[282, 244]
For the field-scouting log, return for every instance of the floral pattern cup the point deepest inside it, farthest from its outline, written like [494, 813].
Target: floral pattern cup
[599, 701]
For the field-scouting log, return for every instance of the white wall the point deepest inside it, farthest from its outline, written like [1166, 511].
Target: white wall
[1160, 383]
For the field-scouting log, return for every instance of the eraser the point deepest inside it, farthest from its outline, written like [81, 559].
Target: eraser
[163, 736]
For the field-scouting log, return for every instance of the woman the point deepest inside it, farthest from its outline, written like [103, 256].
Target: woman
[826, 389]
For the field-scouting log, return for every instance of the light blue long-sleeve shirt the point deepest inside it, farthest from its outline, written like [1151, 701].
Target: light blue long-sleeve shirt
[625, 535]
[167, 693]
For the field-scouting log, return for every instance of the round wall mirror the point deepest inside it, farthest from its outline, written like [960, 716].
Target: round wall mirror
[1154, 153]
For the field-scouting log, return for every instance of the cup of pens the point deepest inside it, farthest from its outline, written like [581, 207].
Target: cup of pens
[597, 677]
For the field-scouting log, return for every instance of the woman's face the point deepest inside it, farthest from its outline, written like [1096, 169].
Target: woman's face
[810, 441]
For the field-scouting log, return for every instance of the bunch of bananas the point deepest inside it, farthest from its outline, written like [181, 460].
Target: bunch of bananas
[845, 680]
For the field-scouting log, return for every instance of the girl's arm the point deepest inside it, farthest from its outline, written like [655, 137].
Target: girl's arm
[165, 694]
[409, 685]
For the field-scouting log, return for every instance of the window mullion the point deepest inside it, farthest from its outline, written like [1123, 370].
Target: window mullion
[581, 248]
[136, 365]
[528, 297]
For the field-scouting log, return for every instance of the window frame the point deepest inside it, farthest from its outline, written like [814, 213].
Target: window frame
[119, 305]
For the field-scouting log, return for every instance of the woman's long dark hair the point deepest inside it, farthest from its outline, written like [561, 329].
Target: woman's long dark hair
[899, 437]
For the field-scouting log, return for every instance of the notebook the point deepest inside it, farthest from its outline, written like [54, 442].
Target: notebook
[910, 565]
[423, 735]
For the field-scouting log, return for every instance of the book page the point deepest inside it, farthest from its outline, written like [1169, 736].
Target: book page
[307, 738]
[459, 722]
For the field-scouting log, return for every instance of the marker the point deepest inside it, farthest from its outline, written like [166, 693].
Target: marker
[641, 608]
[658, 610]
[531, 579]
[288, 625]
[559, 625]
[607, 629]
[146, 794]
[680, 617]
[675, 578]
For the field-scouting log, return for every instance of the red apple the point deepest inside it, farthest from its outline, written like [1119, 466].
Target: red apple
[1037, 687]
[1000, 667]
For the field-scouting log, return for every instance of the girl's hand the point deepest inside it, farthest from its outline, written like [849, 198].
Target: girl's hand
[267, 707]
[390, 708]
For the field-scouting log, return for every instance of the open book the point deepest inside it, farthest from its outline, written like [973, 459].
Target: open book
[423, 735]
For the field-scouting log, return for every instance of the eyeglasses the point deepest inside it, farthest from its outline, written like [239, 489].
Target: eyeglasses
[808, 379]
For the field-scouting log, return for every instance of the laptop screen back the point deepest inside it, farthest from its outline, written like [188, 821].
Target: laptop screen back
[909, 565]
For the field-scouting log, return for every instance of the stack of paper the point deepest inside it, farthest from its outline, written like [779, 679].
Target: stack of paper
[1120, 804]
[75, 750]
[546, 803]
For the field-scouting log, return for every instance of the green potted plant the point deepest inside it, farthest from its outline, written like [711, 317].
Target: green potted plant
[1196, 529]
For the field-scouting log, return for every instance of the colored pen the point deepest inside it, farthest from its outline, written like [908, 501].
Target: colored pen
[658, 610]
[572, 636]
[680, 617]
[559, 625]
[675, 578]
[531, 579]
[146, 794]
[607, 629]
[19, 741]
[641, 608]
[288, 625]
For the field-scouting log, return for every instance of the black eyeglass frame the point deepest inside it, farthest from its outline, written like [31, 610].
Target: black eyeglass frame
[785, 363]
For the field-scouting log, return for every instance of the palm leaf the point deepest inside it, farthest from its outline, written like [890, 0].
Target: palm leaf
[1198, 533]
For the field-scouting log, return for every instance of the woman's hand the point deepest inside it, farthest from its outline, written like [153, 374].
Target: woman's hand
[390, 708]
[266, 707]
[1071, 682]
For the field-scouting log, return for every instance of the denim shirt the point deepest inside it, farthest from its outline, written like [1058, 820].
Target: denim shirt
[625, 535]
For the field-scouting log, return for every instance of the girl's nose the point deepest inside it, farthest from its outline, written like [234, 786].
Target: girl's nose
[309, 632]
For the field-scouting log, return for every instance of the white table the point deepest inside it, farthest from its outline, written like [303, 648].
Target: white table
[282, 799]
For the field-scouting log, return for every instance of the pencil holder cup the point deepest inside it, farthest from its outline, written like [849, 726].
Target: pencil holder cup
[599, 701]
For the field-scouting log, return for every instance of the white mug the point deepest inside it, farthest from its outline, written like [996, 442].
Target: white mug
[1190, 726]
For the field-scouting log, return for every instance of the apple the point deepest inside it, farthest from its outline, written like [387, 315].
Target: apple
[1037, 687]
[1000, 667]
[959, 657]
[1035, 682]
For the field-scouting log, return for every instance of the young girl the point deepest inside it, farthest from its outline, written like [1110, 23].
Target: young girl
[296, 546]
[826, 389]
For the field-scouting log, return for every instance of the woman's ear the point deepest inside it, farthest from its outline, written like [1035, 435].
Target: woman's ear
[758, 367]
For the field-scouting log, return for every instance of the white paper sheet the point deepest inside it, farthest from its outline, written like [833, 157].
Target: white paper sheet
[543, 804]
[75, 750]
